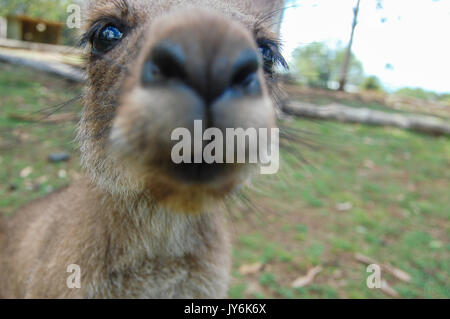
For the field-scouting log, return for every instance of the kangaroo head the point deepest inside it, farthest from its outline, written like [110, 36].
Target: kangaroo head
[155, 66]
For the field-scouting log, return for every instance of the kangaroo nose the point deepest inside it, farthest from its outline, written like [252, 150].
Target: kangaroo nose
[167, 61]
[238, 74]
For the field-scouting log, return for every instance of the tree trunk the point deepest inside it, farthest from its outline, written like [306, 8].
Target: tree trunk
[348, 55]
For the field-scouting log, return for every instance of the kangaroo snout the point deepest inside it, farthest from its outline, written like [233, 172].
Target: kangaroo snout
[195, 66]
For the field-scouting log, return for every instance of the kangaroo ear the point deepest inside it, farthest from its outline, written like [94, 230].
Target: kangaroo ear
[270, 10]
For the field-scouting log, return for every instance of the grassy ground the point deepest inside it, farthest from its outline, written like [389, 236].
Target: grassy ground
[380, 192]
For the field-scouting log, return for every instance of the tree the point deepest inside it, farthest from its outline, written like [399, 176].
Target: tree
[355, 70]
[313, 63]
[372, 83]
[348, 55]
[317, 65]
[418, 93]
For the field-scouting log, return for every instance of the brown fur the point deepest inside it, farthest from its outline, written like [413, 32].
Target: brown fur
[134, 230]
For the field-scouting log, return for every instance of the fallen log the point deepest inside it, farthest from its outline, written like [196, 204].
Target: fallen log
[342, 113]
[36, 46]
[60, 69]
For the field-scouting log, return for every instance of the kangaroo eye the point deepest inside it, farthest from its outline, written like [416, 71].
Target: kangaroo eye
[271, 55]
[268, 57]
[105, 39]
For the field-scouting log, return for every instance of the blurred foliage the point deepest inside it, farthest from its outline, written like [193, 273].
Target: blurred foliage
[45, 9]
[317, 65]
[372, 83]
[419, 93]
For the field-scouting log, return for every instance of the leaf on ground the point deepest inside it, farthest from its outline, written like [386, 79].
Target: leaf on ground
[343, 207]
[254, 288]
[21, 135]
[369, 164]
[26, 172]
[250, 269]
[307, 279]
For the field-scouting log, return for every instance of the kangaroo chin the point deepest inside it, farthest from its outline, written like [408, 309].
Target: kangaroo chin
[137, 225]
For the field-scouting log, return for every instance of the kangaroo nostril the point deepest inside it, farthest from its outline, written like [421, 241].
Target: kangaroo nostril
[245, 69]
[166, 61]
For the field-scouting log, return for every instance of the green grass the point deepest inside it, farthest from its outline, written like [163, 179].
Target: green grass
[398, 185]
[24, 145]
[396, 181]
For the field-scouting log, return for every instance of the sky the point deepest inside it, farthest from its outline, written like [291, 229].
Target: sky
[414, 40]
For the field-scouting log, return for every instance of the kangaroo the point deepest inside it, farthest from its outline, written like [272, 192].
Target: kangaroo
[138, 225]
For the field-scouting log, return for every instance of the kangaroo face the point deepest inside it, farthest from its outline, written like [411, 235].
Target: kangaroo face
[155, 66]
